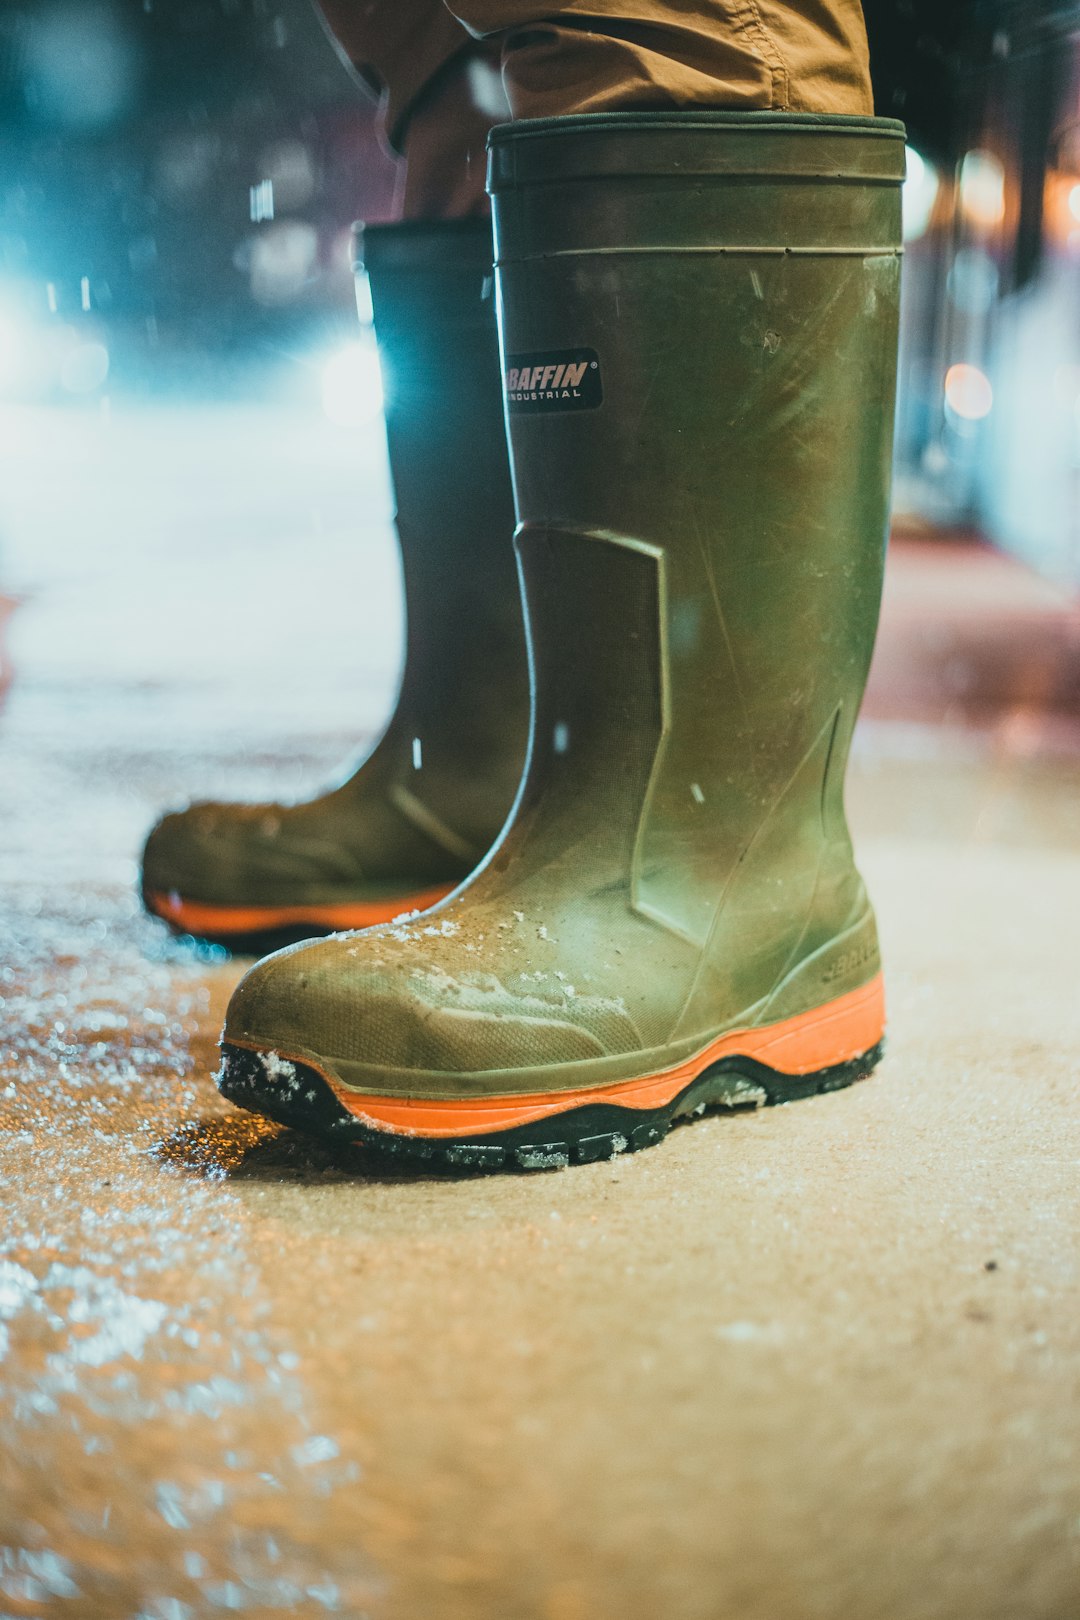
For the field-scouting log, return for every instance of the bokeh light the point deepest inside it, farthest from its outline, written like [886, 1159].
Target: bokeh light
[12, 354]
[283, 259]
[85, 367]
[973, 281]
[1061, 210]
[352, 391]
[982, 190]
[921, 187]
[81, 64]
[968, 392]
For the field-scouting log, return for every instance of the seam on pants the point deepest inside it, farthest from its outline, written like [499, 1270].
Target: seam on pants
[754, 24]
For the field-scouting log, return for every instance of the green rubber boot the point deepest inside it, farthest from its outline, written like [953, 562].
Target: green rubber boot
[699, 325]
[428, 803]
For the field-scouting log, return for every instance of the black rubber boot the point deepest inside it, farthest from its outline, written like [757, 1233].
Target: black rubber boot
[426, 805]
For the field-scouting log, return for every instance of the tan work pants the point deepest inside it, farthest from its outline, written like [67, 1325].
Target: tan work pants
[445, 72]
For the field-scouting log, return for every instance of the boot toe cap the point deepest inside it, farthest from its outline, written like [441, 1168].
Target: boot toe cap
[234, 854]
[347, 1007]
[202, 851]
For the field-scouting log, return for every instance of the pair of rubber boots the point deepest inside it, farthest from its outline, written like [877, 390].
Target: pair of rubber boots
[698, 321]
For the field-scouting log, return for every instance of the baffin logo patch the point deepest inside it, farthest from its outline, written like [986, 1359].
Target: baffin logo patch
[568, 380]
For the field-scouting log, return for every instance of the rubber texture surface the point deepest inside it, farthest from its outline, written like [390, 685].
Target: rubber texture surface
[294, 1094]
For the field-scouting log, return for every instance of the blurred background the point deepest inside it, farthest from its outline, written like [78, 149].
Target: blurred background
[989, 410]
[178, 178]
[190, 431]
[177, 185]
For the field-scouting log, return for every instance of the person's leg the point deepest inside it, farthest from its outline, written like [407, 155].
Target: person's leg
[439, 92]
[445, 137]
[588, 56]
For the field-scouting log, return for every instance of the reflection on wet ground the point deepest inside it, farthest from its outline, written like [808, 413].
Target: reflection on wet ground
[817, 1363]
[245, 1148]
[973, 641]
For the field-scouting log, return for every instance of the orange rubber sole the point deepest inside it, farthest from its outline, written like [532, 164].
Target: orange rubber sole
[822, 1050]
[220, 922]
[822, 1039]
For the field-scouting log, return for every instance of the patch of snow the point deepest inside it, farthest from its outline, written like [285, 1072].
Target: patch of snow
[320, 1448]
[277, 1068]
[749, 1333]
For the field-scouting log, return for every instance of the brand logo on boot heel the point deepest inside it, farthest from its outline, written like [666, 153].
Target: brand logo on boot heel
[859, 956]
[566, 380]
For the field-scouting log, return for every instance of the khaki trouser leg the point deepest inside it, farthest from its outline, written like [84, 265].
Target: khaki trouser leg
[440, 95]
[439, 91]
[587, 56]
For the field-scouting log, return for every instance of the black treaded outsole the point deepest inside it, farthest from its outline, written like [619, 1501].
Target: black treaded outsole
[262, 943]
[293, 1094]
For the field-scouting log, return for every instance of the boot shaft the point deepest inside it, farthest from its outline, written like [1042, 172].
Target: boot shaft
[699, 327]
[699, 318]
[464, 691]
[433, 303]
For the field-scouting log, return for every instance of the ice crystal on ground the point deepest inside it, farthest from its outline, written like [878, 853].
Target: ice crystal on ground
[277, 1068]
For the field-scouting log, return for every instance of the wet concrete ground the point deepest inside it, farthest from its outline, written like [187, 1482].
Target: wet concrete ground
[818, 1363]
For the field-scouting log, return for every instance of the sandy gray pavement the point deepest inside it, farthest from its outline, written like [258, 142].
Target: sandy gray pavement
[815, 1363]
